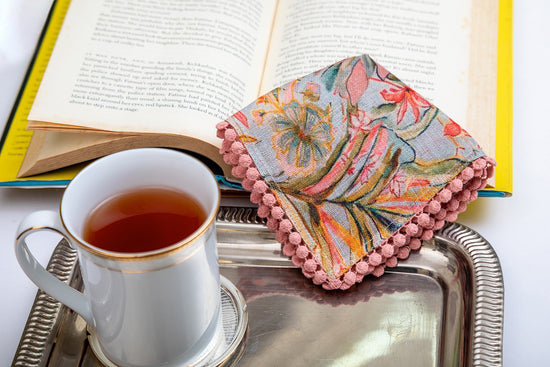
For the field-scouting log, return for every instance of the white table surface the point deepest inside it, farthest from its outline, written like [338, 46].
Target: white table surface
[514, 226]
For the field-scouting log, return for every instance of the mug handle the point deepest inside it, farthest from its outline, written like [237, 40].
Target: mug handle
[48, 220]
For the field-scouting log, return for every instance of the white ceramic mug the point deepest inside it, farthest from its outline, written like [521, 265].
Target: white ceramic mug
[147, 309]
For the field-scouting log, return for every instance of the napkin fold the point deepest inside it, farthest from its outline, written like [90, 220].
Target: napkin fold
[352, 169]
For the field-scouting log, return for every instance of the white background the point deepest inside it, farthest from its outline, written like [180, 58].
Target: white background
[516, 226]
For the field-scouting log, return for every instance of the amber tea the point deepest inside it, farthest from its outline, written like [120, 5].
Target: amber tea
[143, 219]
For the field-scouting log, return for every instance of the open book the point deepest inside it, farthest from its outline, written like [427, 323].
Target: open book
[163, 73]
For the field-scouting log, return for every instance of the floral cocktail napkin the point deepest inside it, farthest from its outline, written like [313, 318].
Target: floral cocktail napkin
[352, 169]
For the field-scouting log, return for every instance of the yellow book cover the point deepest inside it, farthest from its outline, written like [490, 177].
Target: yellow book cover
[16, 138]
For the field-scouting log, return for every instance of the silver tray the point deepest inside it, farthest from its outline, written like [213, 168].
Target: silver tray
[441, 307]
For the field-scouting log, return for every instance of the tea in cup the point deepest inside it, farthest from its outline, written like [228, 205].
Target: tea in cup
[143, 224]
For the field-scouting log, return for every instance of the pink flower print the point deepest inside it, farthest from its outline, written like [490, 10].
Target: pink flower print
[357, 82]
[313, 87]
[398, 184]
[241, 117]
[286, 95]
[258, 116]
[348, 79]
[407, 98]
[357, 121]
[370, 167]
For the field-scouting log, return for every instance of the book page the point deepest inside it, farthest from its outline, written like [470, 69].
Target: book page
[163, 66]
[424, 43]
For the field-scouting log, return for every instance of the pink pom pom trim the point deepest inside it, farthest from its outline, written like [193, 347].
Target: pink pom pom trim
[445, 206]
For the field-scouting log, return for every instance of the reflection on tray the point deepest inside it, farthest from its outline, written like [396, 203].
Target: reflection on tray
[262, 282]
[431, 306]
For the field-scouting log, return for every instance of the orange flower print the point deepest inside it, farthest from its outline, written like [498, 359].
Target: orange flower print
[407, 98]
[312, 92]
[303, 134]
[451, 129]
